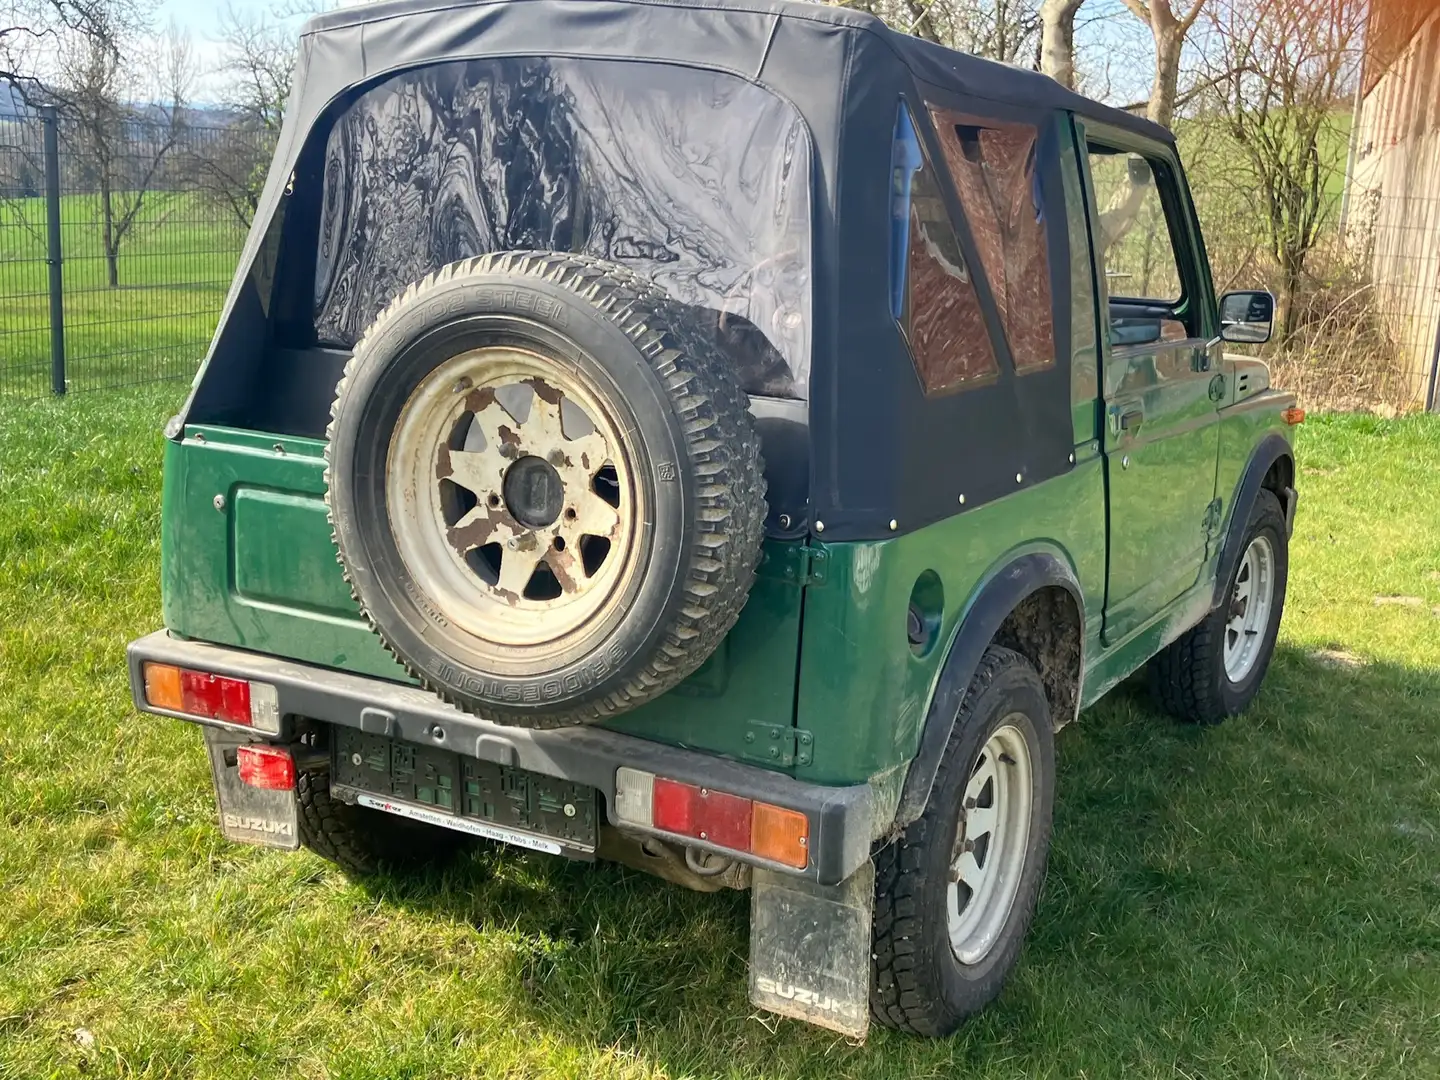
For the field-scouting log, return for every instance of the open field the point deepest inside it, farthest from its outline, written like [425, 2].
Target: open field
[1257, 900]
[174, 270]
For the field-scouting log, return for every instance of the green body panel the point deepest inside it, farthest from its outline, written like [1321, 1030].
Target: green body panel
[1247, 417]
[864, 692]
[1162, 478]
[260, 573]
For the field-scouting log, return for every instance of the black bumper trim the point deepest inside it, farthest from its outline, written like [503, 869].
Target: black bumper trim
[840, 817]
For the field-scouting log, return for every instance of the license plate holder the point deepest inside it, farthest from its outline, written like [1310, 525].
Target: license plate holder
[499, 802]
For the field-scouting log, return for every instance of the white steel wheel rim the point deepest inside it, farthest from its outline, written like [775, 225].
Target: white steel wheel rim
[1251, 598]
[513, 584]
[991, 844]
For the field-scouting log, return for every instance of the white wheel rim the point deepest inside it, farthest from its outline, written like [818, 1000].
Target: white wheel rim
[1251, 598]
[513, 585]
[991, 844]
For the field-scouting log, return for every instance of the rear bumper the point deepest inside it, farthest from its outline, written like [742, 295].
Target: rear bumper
[841, 818]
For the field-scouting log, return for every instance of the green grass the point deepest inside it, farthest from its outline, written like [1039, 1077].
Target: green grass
[1257, 900]
[174, 270]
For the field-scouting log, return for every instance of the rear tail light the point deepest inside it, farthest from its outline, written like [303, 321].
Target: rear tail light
[213, 697]
[717, 817]
[267, 767]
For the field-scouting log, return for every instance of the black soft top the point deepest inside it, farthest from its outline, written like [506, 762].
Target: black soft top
[876, 453]
[928, 62]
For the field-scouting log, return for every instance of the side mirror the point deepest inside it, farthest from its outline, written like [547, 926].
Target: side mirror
[1247, 318]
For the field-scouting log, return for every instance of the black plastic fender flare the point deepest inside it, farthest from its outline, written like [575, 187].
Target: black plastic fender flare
[998, 597]
[1269, 450]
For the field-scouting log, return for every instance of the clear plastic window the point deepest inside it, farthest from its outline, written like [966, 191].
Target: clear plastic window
[993, 167]
[1134, 239]
[699, 180]
[941, 313]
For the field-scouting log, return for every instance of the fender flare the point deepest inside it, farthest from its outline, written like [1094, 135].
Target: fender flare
[1001, 594]
[1269, 450]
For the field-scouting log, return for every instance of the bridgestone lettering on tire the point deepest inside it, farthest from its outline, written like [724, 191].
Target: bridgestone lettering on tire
[937, 959]
[545, 487]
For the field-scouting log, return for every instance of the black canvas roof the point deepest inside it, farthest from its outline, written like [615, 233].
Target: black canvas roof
[928, 62]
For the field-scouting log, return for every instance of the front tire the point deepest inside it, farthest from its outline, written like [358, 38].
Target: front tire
[955, 893]
[1215, 670]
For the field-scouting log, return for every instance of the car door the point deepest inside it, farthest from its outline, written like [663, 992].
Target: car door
[1161, 384]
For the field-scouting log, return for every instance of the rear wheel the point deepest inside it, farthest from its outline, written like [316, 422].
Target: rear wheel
[363, 841]
[1215, 670]
[955, 893]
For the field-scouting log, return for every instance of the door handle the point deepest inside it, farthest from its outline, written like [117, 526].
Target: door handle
[1127, 421]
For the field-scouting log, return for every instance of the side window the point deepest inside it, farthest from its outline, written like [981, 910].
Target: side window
[932, 294]
[993, 166]
[1134, 239]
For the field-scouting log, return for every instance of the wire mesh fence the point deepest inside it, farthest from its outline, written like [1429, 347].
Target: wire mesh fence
[119, 234]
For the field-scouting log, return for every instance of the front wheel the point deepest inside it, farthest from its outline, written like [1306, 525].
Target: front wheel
[955, 893]
[1215, 670]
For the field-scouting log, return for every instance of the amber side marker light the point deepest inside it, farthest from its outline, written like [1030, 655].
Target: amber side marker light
[1293, 415]
[212, 697]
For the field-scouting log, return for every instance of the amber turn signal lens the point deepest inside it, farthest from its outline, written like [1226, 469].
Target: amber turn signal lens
[1293, 415]
[162, 687]
[780, 835]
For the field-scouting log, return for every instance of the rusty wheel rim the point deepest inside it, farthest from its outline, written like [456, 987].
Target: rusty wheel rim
[510, 496]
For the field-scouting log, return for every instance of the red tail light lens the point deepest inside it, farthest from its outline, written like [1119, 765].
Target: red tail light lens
[704, 814]
[215, 696]
[266, 767]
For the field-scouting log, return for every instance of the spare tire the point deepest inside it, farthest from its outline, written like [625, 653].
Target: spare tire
[545, 487]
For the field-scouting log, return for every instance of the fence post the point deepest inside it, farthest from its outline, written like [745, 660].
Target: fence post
[52, 242]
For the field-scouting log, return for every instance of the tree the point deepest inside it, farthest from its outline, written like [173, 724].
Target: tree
[1168, 28]
[258, 51]
[101, 72]
[1284, 71]
[1057, 40]
[30, 28]
[1004, 30]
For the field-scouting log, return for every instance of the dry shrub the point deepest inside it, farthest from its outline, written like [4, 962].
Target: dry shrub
[1347, 353]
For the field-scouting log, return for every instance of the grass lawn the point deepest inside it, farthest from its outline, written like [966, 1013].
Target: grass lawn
[1261, 899]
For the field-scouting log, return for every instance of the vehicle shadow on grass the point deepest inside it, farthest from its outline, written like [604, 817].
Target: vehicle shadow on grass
[1200, 879]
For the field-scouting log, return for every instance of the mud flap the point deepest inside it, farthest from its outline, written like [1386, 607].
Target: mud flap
[810, 948]
[248, 815]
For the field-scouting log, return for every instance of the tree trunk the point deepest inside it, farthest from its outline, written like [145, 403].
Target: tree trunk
[1169, 38]
[1291, 277]
[1057, 40]
[107, 212]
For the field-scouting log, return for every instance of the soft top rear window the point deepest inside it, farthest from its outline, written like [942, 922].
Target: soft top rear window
[697, 179]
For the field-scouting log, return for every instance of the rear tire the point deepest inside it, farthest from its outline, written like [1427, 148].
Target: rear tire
[361, 841]
[942, 948]
[1215, 670]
